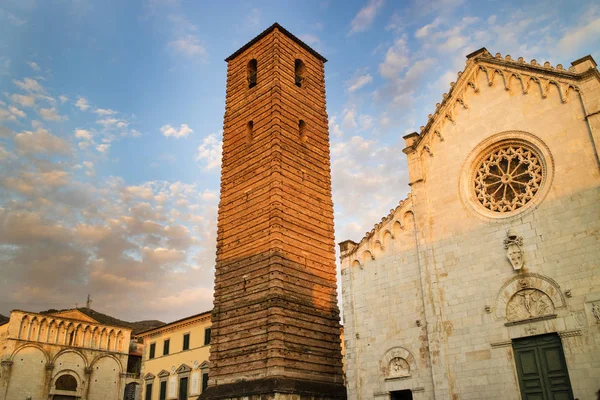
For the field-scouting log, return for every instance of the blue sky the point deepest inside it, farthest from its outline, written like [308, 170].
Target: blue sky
[111, 117]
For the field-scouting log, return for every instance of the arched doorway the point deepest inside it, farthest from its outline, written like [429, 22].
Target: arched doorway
[65, 388]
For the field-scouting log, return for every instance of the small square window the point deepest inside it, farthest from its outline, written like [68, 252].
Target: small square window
[166, 347]
[186, 341]
[206, 336]
[152, 352]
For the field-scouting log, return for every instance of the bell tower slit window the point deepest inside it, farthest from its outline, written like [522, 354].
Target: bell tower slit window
[299, 72]
[302, 129]
[250, 131]
[252, 71]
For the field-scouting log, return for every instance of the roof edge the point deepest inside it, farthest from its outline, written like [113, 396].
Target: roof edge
[265, 33]
[142, 333]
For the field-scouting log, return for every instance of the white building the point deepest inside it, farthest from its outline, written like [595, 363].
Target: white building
[485, 282]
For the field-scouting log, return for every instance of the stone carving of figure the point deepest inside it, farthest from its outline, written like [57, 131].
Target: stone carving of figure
[596, 311]
[528, 303]
[399, 367]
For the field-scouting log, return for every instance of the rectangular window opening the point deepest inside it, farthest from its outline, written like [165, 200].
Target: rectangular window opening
[186, 341]
[206, 336]
[204, 381]
[148, 391]
[152, 352]
[166, 347]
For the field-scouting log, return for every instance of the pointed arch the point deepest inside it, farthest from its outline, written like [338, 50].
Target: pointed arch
[24, 327]
[86, 336]
[51, 335]
[42, 335]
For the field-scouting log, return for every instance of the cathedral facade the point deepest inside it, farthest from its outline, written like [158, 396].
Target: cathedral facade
[62, 356]
[484, 283]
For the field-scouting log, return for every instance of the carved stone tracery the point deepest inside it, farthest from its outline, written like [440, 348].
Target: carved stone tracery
[508, 177]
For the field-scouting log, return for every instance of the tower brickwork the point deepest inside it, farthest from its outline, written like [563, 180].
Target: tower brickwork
[276, 328]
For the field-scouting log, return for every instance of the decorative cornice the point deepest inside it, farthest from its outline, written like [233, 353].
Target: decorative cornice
[349, 247]
[176, 325]
[570, 333]
[505, 69]
[73, 321]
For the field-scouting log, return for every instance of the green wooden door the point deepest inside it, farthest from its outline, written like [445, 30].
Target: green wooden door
[542, 368]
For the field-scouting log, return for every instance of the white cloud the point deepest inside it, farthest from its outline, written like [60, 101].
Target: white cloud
[189, 46]
[82, 103]
[357, 83]
[33, 65]
[396, 59]
[573, 41]
[6, 115]
[425, 30]
[63, 98]
[310, 39]
[183, 131]
[135, 133]
[103, 148]
[334, 127]
[210, 151]
[365, 17]
[102, 111]
[83, 134]
[108, 121]
[18, 113]
[349, 120]
[29, 84]
[23, 100]
[41, 141]
[50, 114]
[365, 122]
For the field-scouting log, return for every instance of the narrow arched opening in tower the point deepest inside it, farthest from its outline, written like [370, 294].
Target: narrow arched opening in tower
[252, 72]
[302, 130]
[300, 72]
[250, 131]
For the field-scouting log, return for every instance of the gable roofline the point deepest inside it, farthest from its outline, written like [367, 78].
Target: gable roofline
[76, 311]
[269, 30]
[481, 56]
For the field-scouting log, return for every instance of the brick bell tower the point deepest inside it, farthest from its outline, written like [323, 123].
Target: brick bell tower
[275, 322]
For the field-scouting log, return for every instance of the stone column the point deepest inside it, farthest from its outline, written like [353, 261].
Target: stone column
[6, 369]
[85, 390]
[48, 379]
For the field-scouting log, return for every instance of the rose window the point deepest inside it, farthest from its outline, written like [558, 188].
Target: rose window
[508, 177]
